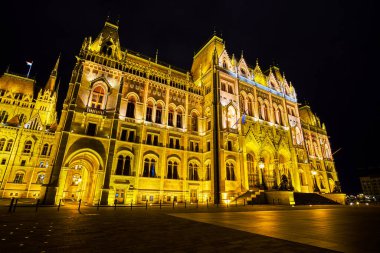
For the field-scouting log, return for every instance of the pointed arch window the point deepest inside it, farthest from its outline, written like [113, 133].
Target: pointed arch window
[250, 106]
[27, 147]
[45, 149]
[131, 107]
[98, 98]
[194, 122]
[119, 165]
[179, 118]
[21, 118]
[263, 111]
[171, 117]
[127, 166]
[123, 166]
[149, 168]
[230, 171]
[193, 171]
[159, 114]
[149, 112]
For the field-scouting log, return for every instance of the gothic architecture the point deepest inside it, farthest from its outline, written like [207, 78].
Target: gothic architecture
[133, 129]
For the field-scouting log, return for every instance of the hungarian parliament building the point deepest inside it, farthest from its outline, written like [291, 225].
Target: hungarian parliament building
[135, 130]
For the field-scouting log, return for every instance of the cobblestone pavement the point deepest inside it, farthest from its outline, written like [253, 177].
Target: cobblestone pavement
[140, 230]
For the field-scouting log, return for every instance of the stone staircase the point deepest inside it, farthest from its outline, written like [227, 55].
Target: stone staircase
[312, 199]
[251, 197]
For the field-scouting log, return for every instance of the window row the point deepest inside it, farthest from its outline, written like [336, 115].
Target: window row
[19, 178]
[123, 168]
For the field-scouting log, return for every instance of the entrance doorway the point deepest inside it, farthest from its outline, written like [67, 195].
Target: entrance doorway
[193, 196]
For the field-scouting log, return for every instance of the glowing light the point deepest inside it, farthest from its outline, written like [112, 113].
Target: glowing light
[313, 172]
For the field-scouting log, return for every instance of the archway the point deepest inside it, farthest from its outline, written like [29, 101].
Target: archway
[82, 178]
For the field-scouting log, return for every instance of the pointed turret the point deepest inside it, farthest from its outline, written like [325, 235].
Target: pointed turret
[50, 85]
[258, 74]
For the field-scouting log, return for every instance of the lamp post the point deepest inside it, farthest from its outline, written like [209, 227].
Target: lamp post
[261, 166]
[316, 189]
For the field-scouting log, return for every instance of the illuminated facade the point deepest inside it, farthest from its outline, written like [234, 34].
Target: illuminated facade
[133, 129]
[27, 138]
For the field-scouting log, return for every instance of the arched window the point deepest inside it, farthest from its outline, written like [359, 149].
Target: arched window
[172, 170]
[131, 107]
[2, 143]
[40, 178]
[224, 64]
[18, 178]
[223, 87]
[27, 147]
[230, 172]
[193, 171]
[159, 114]
[45, 149]
[171, 117]
[149, 112]
[179, 118]
[127, 166]
[107, 49]
[9, 145]
[299, 136]
[194, 122]
[97, 99]
[149, 168]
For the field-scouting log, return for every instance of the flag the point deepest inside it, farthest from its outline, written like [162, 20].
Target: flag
[29, 63]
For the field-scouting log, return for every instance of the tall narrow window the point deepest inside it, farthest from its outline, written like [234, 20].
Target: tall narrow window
[208, 172]
[9, 145]
[179, 118]
[119, 165]
[27, 147]
[45, 149]
[230, 173]
[127, 166]
[131, 107]
[91, 129]
[170, 170]
[40, 178]
[123, 135]
[2, 144]
[149, 168]
[194, 122]
[250, 103]
[149, 112]
[97, 98]
[3, 117]
[170, 117]
[193, 172]
[159, 114]
[131, 136]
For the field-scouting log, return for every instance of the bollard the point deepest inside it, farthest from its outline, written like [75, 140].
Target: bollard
[80, 202]
[173, 204]
[97, 208]
[14, 206]
[160, 204]
[146, 205]
[115, 203]
[11, 205]
[244, 202]
[59, 204]
[37, 204]
[207, 203]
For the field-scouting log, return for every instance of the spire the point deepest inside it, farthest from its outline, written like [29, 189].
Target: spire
[50, 85]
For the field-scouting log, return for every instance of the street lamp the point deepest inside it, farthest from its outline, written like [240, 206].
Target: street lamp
[261, 166]
[316, 189]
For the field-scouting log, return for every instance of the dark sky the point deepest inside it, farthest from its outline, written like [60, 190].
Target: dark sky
[329, 50]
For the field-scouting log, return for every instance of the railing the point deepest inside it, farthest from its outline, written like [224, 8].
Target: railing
[95, 111]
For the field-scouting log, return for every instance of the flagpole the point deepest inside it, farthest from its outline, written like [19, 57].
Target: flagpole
[30, 67]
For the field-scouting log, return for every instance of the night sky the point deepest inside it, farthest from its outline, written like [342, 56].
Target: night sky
[329, 50]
